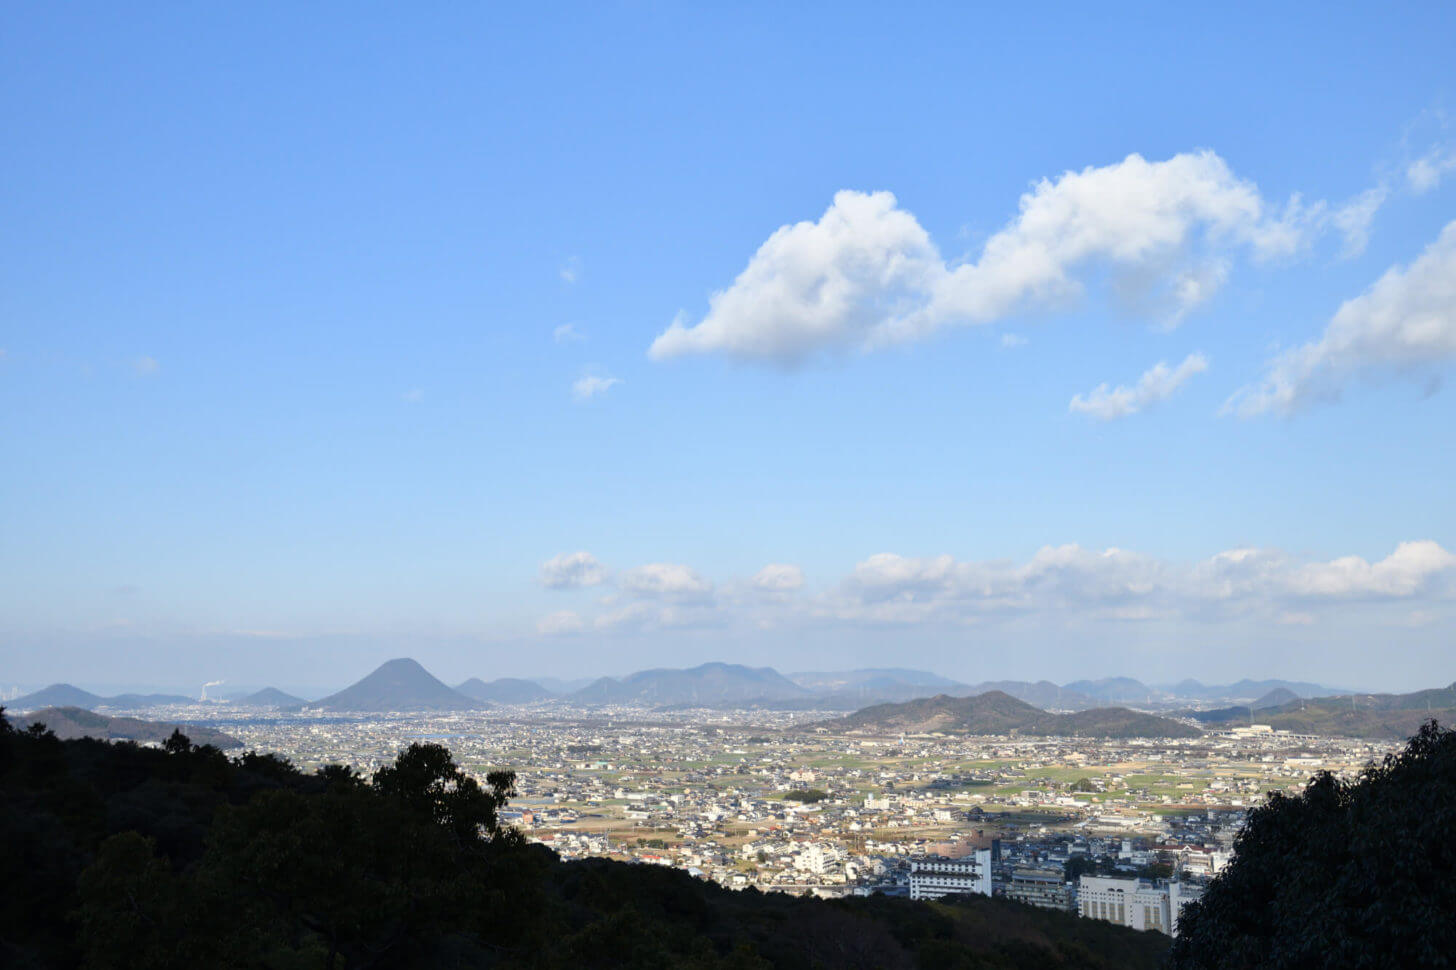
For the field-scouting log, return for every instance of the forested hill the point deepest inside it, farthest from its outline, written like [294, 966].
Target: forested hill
[119, 856]
[995, 712]
[1349, 715]
[73, 722]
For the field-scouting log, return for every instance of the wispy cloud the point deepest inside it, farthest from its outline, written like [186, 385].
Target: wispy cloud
[1428, 171]
[1158, 383]
[1404, 324]
[567, 334]
[146, 367]
[592, 386]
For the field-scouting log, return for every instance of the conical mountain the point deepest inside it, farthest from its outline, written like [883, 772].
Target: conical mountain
[270, 697]
[399, 685]
[57, 695]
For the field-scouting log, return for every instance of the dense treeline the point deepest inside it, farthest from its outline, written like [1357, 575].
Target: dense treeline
[118, 856]
[1358, 874]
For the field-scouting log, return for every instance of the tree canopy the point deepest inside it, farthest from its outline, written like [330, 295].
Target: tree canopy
[1357, 874]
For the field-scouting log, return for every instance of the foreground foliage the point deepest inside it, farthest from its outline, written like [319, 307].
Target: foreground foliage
[118, 856]
[1357, 874]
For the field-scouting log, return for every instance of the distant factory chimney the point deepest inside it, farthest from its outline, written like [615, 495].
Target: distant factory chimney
[210, 683]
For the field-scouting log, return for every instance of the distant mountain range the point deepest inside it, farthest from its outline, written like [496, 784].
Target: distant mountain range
[708, 684]
[399, 685]
[75, 722]
[1246, 690]
[66, 695]
[504, 690]
[996, 712]
[403, 685]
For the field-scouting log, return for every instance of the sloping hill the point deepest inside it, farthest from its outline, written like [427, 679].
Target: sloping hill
[56, 695]
[1042, 693]
[706, 685]
[996, 712]
[1275, 698]
[504, 690]
[67, 695]
[74, 722]
[270, 697]
[146, 700]
[1349, 716]
[398, 685]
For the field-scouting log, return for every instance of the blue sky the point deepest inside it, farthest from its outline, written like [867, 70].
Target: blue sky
[286, 390]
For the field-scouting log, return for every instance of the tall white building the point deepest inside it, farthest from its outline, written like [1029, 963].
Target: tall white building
[936, 877]
[1136, 903]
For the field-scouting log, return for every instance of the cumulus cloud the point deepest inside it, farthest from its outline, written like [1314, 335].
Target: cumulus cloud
[666, 579]
[561, 623]
[590, 386]
[572, 570]
[866, 274]
[778, 577]
[1066, 582]
[1404, 323]
[1411, 568]
[1158, 383]
[1426, 172]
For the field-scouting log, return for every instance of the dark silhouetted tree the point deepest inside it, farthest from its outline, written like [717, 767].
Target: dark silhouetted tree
[1345, 874]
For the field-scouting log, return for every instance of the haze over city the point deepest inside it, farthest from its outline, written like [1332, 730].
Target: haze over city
[331, 339]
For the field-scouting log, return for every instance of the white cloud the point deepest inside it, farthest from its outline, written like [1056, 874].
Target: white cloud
[1426, 172]
[412, 396]
[778, 578]
[1064, 583]
[146, 367]
[571, 269]
[1405, 322]
[1157, 384]
[571, 570]
[567, 334]
[1353, 219]
[866, 274]
[590, 386]
[561, 623]
[1405, 572]
[665, 579]
[1010, 341]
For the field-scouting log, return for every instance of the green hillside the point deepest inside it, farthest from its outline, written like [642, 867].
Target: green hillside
[995, 712]
[1349, 716]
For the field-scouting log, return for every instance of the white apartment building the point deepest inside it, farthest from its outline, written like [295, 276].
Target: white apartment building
[936, 877]
[1136, 903]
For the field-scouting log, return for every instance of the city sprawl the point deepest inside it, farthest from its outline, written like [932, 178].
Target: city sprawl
[778, 802]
